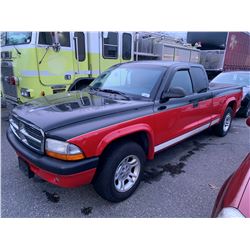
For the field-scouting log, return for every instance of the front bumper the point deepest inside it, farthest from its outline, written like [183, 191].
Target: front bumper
[58, 172]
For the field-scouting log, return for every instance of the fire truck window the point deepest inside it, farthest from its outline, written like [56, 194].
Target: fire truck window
[45, 38]
[126, 46]
[64, 39]
[110, 45]
[81, 46]
[182, 79]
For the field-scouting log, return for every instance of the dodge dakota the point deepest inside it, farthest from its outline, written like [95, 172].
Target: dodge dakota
[104, 133]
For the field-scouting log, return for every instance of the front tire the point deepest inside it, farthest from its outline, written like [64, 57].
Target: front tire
[121, 171]
[223, 127]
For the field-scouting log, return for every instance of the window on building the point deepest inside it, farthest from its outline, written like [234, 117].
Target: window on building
[110, 45]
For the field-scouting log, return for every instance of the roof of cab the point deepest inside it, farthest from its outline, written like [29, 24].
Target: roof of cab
[165, 63]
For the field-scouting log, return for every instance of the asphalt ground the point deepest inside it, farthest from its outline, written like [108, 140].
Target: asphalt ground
[182, 181]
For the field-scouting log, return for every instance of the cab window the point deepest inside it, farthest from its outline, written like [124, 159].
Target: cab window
[48, 38]
[81, 46]
[110, 45]
[182, 79]
[64, 39]
[45, 38]
[15, 38]
[126, 46]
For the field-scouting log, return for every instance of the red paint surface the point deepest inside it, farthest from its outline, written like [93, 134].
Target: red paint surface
[159, 127]
[248, 121]
[236, 191]
[69, 181]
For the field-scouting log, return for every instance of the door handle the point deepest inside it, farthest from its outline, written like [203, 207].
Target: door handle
[195, 102]
[162, 107]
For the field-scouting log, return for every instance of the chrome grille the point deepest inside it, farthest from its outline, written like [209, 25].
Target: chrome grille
[29, 134]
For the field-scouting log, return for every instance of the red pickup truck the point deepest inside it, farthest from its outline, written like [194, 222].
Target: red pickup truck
[104, 134]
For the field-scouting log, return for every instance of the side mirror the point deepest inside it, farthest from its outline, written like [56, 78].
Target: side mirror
[55, 41]
[174, 92]
[248, 121]
[56, 47]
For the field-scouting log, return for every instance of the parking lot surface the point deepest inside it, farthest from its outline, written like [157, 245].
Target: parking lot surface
[182, 181]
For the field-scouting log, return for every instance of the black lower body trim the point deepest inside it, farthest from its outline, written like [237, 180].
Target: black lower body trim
[50, 164]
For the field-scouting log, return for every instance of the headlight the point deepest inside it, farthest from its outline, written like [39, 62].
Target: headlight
[63, 150]
[230, 212]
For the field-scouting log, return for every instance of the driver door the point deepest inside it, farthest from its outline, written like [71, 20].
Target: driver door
[55, 67]
[176, 117]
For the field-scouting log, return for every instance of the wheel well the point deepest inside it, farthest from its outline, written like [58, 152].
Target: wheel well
[232, 105]
[139, 137]
[80, 84]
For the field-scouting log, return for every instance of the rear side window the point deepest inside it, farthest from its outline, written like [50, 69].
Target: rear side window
[110, 45]
[199, 79]
[182, 79]
[80, 46]
[126, 46]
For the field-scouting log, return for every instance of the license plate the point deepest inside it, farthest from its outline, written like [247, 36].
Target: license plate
[24, 167]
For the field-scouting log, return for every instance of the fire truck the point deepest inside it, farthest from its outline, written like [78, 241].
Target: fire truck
[35, 64]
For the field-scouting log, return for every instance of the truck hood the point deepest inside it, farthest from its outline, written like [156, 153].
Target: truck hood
[54, 111]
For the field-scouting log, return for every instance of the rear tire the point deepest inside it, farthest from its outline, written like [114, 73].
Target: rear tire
[121, 171]
[244, 112]
[223, 127]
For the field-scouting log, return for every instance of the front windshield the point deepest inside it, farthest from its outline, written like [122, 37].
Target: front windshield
[15, 38]
[242, 78]
[131, 79]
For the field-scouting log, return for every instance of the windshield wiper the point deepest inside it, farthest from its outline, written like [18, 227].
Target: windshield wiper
[93, 88]
[115, 92]
[18, 52]
[110, 91]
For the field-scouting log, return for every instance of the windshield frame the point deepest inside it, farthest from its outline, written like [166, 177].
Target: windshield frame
[155, 88]
[5, 35]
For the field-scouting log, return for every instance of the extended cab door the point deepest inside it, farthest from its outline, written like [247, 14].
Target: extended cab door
[179, 118]
[202, 98]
